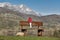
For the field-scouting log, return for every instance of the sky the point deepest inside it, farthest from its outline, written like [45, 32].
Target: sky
[45, 7]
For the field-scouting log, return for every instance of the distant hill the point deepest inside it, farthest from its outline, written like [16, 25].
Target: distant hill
[51, 20]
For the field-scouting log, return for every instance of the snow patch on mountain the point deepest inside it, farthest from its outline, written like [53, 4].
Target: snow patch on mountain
[20, 8]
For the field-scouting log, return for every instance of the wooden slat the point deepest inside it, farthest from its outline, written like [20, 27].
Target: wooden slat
[34, 23]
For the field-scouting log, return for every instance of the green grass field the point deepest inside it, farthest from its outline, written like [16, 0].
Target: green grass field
[27, 38]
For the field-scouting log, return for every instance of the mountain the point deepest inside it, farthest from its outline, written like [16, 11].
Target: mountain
[11, 19]
[11, 15]
[51, 18]
[20, 8]
[51, 21]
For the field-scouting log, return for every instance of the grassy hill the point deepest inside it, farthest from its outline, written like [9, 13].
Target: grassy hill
[27, 38]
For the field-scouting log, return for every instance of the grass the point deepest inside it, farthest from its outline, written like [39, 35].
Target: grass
[27, 38]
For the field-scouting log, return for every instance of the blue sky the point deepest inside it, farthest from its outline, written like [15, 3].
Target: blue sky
[45, 7]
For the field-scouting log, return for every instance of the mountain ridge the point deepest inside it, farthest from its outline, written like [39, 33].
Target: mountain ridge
[20, 8]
